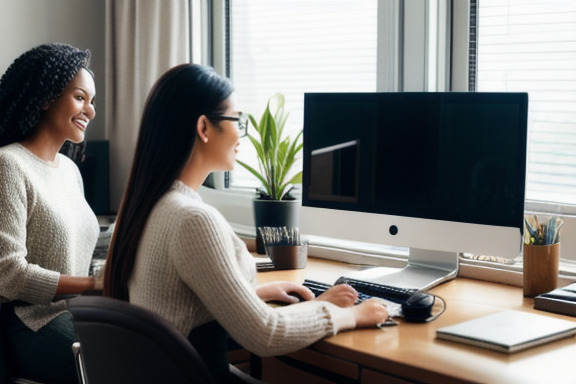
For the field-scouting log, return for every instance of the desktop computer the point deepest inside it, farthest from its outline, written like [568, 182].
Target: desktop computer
[439, 173]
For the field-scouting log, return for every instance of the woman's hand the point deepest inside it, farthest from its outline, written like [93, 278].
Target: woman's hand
[73, 285]
[342, 295]
[79, 284]
[369, 313]
[283, 291]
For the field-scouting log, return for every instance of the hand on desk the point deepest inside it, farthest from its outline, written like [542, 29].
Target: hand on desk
[283, 291]
[370, 313]
[342, 295]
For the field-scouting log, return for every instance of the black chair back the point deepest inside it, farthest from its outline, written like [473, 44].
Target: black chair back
[124, 343]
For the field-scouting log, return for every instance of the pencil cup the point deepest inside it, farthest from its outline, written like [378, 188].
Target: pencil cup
[288, 256]
[540, 268]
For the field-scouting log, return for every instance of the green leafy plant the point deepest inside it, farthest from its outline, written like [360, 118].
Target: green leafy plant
[276, 154]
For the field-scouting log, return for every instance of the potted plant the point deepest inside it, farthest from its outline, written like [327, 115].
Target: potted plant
[276, 155]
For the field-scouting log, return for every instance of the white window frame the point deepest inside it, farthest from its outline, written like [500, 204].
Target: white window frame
[421, 52]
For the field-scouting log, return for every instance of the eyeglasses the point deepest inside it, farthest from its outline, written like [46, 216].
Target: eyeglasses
[242, 120]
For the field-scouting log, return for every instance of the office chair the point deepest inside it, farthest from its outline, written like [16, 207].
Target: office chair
[124, 343]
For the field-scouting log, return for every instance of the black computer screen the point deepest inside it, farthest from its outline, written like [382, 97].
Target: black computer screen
[442, 156]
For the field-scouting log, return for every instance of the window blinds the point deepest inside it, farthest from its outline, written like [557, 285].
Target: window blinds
[298, 46]
[530, 46]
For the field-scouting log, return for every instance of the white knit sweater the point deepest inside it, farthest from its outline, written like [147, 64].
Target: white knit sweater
[46, 229]
[191, 268]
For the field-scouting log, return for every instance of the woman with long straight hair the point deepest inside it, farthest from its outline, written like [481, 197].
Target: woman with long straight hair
[177, 256]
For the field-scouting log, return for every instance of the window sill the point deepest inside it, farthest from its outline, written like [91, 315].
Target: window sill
[509, 274]
[236, 205]
[496, 274]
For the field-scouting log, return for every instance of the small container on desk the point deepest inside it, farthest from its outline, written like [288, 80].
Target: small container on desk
[284, 247]
[541, 263]
[541, 254]
[288, 256]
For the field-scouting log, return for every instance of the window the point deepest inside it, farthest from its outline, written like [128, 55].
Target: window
[530, 46]
[298, 46]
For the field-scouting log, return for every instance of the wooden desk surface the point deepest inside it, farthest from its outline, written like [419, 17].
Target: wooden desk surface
[412, 351]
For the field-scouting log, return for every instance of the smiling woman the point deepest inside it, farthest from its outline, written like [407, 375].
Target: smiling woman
[64, 119]
[47, 229]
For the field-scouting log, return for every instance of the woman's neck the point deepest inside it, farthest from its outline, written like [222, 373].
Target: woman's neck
[42, 149]
[193, 179]
[195, 171]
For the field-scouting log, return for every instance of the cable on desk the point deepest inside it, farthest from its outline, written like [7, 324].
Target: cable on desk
[432, 318]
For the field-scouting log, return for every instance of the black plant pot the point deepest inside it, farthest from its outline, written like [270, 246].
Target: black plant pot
[274, 213]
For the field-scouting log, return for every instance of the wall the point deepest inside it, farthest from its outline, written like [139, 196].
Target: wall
[25, 24]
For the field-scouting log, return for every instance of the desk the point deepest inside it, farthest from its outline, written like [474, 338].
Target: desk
[411, 353]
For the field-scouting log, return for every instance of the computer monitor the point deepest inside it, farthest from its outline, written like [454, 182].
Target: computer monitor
[438, 173]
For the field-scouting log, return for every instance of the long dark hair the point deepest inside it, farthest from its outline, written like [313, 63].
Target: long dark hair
[167, 136]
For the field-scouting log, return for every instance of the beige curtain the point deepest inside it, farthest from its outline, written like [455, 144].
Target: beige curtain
[144, 38]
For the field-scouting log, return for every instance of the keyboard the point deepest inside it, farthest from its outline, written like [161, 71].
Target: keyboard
[365, 290]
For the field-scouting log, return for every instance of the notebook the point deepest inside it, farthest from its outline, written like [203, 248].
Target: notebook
[561, 300]
[508, 331]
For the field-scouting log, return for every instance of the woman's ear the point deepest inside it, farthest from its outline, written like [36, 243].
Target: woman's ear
[202, 128]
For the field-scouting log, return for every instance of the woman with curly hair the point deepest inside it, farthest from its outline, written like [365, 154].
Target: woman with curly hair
[47, 229]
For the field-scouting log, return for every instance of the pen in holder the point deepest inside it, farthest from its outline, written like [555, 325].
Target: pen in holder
[284, 247]
[541, 255]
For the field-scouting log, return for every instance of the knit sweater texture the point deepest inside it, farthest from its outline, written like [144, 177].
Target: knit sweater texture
[191, 268]
[46, 229]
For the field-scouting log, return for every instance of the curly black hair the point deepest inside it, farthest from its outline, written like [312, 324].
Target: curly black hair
[34, 80]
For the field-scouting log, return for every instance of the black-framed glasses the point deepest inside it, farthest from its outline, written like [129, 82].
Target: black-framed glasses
[242, 120]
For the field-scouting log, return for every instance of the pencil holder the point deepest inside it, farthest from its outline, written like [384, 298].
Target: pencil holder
[288, 256]
[285, 247]
[540, 268]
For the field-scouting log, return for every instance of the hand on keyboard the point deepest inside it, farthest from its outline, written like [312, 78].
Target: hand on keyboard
[367, 314]
[386, 292]
[341, 295]
[319, 288]
[393, 296]
[351, 296]
[415, 306]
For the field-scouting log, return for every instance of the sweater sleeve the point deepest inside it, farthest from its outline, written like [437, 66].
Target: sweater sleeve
[204, 255]
[20, 280]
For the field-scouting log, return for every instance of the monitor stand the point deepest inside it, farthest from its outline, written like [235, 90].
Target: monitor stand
[425, 269]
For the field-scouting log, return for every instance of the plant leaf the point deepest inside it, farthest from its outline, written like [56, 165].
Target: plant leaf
[276, 155]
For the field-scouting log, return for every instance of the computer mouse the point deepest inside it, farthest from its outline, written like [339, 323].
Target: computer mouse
[296, 295]
[418, 307]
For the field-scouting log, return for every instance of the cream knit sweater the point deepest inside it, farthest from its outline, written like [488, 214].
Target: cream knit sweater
[46, 229]
[191, 268]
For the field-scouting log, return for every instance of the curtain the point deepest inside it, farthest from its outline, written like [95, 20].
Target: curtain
[144, 38]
